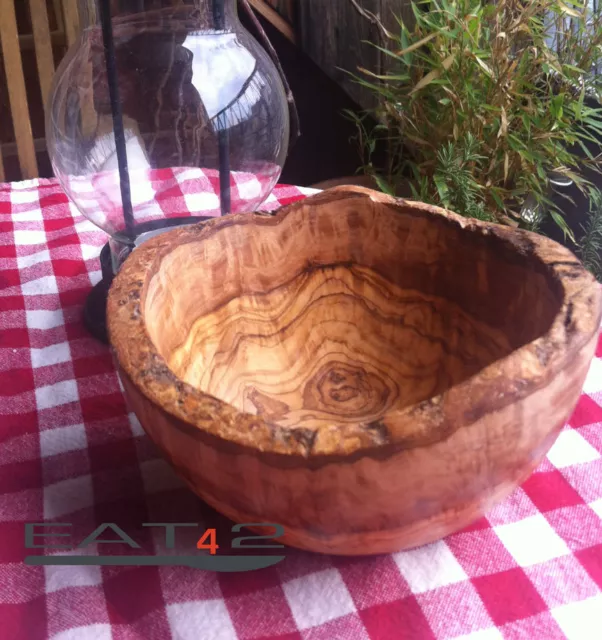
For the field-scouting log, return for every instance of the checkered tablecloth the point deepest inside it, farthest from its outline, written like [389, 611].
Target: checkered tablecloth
[71, 453]
[163, 193]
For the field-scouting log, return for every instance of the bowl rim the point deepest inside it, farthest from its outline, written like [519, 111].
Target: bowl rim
[494, 387]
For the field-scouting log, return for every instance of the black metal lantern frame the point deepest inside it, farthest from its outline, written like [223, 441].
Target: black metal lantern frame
[95, 307]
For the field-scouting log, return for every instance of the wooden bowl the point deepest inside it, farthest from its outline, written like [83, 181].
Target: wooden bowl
[372, 374]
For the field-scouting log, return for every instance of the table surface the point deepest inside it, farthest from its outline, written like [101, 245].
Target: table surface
[71, 453]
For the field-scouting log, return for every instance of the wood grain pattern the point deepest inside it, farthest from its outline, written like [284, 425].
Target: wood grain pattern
[371, 373]
[27, 42]
[57, 10]
[71, 20]
[90, 9]
[13, 66]
[335, 35]
[270, 14]
[278, 357]
[43, 45]
[286, 8]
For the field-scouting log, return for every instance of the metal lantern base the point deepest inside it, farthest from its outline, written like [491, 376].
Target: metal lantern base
[95, 308]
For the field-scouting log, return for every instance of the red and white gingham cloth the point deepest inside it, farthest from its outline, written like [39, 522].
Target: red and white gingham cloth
[167, 193]
[69, 452]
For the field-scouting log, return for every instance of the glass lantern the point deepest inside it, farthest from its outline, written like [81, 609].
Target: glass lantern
[165, 112]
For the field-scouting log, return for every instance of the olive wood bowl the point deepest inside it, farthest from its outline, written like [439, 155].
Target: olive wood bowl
[370, 373]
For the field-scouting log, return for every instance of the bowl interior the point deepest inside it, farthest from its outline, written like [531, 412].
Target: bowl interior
[342, 313]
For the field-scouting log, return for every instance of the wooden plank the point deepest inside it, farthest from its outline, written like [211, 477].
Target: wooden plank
[270, 14]
[13, 66]
[89, 117]
[10, 149]
[27, 43]
[333, 34]
[43, 45]
[71, 20]
[390, 8]
[58, 14]
[91, 9]
[286, 8]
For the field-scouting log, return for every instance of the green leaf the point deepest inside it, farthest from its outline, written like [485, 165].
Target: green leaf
[515, 143]
[415, 45]
[450, 35]
[568, 10]
[418, 15]
[587, 152]
[442, 189]
[497, 199]
[390, 53]
[561, 222]
[593, 124]
[405, 43]
[571, 67]
[541, 173]
[382, 185]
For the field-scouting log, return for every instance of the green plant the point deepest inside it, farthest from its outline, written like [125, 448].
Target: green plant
[483, 101]
[591, 243]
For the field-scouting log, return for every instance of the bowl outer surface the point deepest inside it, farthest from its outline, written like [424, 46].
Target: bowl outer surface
[439, 465]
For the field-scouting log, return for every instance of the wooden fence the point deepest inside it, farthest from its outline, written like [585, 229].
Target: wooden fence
[334, 34]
